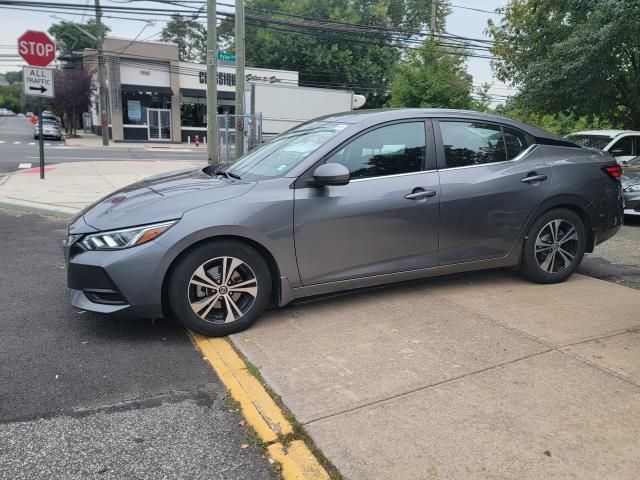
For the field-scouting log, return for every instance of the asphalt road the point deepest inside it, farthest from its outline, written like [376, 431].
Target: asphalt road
[18, 146]
[83, 396]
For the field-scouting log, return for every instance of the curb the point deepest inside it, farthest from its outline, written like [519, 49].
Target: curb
[260, 410]
[37, 207]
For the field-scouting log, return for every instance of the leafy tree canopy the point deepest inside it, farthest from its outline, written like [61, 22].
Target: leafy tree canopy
[324, 58]
[190, 35]
[433, 76]
[70, 38]
[574, 56]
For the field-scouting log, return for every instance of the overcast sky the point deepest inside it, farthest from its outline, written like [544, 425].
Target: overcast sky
[462, 22]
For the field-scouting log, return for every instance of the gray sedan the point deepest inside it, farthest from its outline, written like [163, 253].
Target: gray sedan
[342, 202]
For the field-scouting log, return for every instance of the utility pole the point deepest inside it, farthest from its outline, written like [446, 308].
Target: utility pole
[104, 116]
[212, 84]
[433, 18]
[239, 78]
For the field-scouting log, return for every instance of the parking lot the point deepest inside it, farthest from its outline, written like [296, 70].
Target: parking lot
[477, 375]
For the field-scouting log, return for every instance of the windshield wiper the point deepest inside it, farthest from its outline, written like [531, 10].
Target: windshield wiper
[226, 174]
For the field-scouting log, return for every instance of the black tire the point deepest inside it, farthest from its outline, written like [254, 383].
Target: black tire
[541, 264]
[216, 321]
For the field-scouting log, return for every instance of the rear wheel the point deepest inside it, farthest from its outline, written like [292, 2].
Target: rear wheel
[554, 247]
[219, 288]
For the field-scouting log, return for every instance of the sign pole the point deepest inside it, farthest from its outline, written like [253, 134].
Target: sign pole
[212, 86]
[41, 138]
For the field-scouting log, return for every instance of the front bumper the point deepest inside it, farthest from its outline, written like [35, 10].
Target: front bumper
[127, 283]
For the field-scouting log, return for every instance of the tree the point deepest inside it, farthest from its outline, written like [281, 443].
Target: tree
[74, 87]
[13, 77]
[433, 76]
[69, 38]
[336, 55]
[190, 35]
[573, 56]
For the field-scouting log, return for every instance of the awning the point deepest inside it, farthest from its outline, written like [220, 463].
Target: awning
[192, 92]
[146, 88]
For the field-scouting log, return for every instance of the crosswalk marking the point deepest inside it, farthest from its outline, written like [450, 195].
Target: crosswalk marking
[32, 143]
[2, 141]
[17, 143]
[24, 165]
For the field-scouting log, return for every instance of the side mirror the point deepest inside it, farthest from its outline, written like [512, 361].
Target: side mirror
[331, 174]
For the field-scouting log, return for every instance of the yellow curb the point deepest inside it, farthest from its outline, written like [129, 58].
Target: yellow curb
[298, 463]
[260, 411]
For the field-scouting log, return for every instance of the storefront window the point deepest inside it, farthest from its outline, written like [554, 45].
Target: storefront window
[193, 111]
[135, 104]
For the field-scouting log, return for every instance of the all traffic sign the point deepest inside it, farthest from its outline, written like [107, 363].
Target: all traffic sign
[38, 82]
[36, 48]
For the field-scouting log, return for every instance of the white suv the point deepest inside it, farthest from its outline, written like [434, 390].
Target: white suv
[622, 144]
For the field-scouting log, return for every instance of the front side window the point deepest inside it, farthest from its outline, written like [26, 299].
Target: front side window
[472, 143]
[389, 150]
[278, 156]
[623, 147]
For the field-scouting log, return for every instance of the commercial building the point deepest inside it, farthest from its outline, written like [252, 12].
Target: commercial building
[153, 96]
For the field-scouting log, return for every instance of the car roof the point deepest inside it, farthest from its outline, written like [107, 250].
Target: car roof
[607, 133]
[389, 114]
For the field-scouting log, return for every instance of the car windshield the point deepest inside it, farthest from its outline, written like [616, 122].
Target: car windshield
[278, 156]
[633, 163]
[590, 141]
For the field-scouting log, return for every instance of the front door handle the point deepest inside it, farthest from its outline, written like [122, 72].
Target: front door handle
[419, 193]
[532, 177]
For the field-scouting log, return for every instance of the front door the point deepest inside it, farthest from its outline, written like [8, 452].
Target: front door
[487, 194]
[384, 221]
[159, 122]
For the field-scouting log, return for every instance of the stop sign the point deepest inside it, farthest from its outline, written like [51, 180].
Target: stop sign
[36, 48]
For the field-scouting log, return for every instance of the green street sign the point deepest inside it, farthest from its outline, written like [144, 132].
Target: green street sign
[227, 57]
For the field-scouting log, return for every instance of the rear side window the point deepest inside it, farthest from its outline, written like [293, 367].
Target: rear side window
[515, 143]
[389, 150]
[472, 143]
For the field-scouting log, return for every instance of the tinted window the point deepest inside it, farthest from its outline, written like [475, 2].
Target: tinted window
[387, 150]
[515, 143]
[624, 146]
[472, 143]
[590, 141]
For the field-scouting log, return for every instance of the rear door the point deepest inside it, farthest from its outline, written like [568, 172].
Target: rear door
[384, 220]
[487, 191]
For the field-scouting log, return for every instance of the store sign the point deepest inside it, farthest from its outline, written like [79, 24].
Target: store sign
[152, 75]
[229, 79]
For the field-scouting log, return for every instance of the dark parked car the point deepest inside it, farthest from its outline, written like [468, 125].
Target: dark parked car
[342, 202]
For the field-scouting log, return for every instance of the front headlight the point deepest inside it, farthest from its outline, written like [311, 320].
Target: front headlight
[125, 238]
[633, 188]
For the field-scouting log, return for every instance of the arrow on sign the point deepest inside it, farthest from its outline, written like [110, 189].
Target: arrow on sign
[40, 88]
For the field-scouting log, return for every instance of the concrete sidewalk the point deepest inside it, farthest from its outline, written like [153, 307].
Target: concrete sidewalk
[68, 187]
[480, 375]
[92, 140]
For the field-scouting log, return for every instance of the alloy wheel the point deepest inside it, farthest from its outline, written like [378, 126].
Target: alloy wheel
[556, 246]
[222, 290]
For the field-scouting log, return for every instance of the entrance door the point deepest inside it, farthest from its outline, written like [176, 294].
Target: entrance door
[159, 122]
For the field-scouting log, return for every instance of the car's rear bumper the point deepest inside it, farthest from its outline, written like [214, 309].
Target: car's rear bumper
[606, 214]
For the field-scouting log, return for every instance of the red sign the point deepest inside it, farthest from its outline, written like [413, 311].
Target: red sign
[36, 48]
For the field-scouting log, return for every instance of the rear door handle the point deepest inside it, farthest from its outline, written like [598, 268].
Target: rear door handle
[419, 193]
[534, 178]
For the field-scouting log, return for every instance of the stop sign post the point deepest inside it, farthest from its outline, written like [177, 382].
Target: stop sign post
[38, 50]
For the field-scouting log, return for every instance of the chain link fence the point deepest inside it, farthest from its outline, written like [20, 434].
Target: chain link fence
[227, 127]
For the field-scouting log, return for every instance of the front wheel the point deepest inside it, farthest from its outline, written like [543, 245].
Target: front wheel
[554, 247]
[219, 288]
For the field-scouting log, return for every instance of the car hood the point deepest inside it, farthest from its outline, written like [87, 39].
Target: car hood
[161, 197]
[630, 176]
